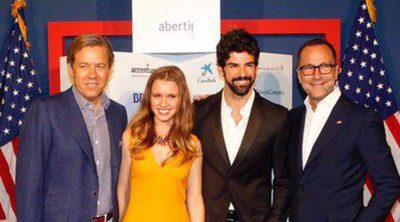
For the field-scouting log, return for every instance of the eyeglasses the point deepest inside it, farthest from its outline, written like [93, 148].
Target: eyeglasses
[309, 70]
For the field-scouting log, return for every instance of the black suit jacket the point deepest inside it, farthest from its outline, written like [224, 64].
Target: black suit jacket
[247, 182]
[330, 188]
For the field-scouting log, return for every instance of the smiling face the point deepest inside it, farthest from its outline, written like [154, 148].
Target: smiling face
[90, 72]
[239, 72]
[164, 101]
[317, 85]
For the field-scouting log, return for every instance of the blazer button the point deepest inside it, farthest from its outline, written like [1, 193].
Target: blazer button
[95, 193]
[301, 188]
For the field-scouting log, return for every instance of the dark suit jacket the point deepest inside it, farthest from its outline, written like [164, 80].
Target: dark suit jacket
[329, 188]
[56, 177]
[247, 182]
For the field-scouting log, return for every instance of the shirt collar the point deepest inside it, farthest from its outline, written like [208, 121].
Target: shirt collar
[83, 103]
[245, 111]
[328, 102]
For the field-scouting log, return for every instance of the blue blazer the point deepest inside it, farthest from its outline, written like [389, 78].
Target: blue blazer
[56, 178]
[330, 188]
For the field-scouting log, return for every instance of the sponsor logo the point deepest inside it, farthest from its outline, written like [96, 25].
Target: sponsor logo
[143, 72]
[277, 69]
[206, 76]
[182, 27]
[271, 92]
[137, 97]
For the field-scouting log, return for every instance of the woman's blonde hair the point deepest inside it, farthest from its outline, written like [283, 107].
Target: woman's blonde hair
[142, 124]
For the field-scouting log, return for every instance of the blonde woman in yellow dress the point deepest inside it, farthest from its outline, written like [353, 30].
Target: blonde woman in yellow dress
[160, 175]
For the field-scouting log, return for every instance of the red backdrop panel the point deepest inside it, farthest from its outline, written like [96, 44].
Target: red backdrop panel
[57, 31]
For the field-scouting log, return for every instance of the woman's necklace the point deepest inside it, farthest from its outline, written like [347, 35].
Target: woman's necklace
[162, 141]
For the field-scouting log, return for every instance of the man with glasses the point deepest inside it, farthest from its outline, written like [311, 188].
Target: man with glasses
[333, 142]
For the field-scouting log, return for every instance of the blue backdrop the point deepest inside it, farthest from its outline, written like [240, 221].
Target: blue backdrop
[40, 12]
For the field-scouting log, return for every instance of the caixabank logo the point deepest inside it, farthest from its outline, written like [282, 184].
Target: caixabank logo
[206, 75]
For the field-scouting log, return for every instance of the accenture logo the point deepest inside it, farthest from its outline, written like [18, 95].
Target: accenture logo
[206, 76]
[142, 71]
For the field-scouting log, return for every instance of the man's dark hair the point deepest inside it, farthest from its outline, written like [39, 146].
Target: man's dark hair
[315, 42]
[237, 40]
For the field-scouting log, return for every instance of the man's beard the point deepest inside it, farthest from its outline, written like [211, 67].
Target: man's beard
[240, 91]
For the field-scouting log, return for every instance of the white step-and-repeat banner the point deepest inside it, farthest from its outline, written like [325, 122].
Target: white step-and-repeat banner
[175, 26]
[131, 71]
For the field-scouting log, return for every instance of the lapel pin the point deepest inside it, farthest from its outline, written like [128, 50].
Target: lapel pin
[339, 122]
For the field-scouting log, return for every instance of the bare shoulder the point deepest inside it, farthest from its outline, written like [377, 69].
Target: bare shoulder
[196, 142]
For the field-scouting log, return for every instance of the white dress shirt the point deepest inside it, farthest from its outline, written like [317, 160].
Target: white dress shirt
[233, 134]
[315, 121]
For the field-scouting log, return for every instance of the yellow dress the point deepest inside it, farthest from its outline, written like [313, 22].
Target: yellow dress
[157, 193]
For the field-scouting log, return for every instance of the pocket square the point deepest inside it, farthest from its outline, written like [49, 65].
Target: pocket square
[339, 122]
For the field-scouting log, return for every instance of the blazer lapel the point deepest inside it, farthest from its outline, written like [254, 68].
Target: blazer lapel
[113, 129]
[298, 131]
[215, 120]
[255, 120]
[336, 120]
[77, 127]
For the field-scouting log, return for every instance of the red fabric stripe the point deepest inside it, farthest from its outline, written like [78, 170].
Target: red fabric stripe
[7, 180]
[15, 145]
[369, 184]
[394, 127]
[389, 218]
[2, 214]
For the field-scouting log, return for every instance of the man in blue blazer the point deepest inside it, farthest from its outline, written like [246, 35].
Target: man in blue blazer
[70, 149]
[332, 144]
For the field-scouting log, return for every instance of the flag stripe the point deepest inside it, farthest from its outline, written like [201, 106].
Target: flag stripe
[367, 195]
[389, 218]
[2, 214]
[395, 149]
[8, 153]
[5, 203]
[7, 180]
[369, 184]
[370, 187]
[15, 145]
[396, 210]
[394, 127]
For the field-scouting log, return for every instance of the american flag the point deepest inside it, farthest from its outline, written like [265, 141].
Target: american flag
[18, 88]
[365, 80]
